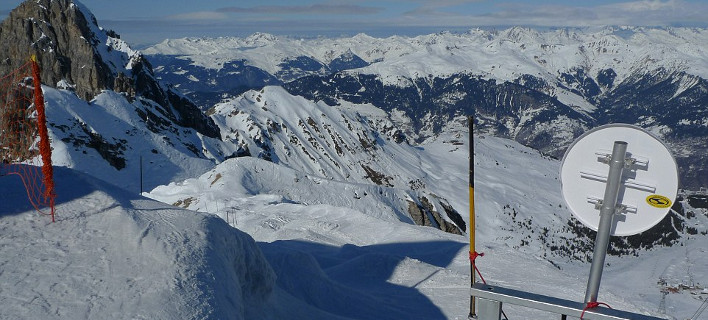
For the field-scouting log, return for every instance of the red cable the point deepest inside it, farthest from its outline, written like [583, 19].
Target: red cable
[591, 305]
[473, 257]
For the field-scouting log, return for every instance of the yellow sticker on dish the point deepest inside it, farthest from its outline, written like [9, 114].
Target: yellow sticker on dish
[658, 201]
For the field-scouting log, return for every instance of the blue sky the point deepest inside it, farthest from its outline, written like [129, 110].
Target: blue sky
[143, 22]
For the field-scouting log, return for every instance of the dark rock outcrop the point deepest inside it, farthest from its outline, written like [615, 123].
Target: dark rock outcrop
[73, 50]
[58, 33]
[425, 214]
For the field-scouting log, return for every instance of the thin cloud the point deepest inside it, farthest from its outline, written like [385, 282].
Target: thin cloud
[665, 13]
[441, 3]
[646, 6]
[198, 16]
[425, 11]
[672, 12]
[638, 13]
[311, 9]
[548, 15]
[437, 8]
[415, 17]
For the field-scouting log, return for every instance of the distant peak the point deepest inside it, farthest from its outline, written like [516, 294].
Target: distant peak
[362, 36]
[261, 38]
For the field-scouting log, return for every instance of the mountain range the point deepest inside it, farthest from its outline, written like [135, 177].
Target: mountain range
[541, 88]
[345, 164]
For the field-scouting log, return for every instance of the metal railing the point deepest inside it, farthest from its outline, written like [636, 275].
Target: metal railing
[491, 298]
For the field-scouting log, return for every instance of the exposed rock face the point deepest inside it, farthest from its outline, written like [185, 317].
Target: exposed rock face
[425, 214]
[59, 34]
[505, 109]
[71, 48]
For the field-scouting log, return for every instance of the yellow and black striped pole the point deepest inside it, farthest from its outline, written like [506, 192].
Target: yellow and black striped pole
[471, 228]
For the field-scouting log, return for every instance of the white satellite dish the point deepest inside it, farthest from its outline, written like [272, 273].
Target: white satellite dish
[648, 186]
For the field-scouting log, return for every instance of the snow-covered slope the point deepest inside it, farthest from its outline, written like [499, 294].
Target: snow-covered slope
[423, 272]
[117, 140]
[109, 136]
[114, 255]
[334, 142]
[350, 144]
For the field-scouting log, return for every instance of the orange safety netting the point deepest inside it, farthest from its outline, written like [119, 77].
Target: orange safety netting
[24, 140]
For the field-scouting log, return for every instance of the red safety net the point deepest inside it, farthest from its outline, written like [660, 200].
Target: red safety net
[24, 141]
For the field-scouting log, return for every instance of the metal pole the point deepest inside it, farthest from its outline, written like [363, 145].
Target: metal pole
[471, 227]
[141, 175]
[607, 212]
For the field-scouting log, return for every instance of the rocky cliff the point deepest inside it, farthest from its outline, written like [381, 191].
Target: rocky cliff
[75, 53]
[59, 34]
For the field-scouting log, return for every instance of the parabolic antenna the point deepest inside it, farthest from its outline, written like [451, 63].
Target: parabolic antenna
[648, 186]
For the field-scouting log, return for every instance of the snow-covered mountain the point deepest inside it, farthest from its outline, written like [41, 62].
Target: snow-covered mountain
[571, 61]
[541, 88]
[498, 54]
[339, 197]
[109, 138]
[352, 144]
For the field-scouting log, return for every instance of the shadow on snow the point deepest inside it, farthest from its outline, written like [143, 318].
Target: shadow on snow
[70, 185]
[352, 281]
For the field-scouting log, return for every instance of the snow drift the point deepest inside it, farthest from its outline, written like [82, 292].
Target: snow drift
[113, 255]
